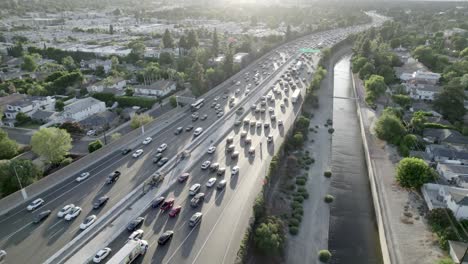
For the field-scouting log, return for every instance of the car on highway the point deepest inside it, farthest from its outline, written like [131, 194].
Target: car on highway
[216, 98]
[165, 237]
[213, 105]
[88, 222]
[204, 117]
[246, 122]
[235, 155]
[163, 161]
[210, 182]
[41, 216]
[189, 128]
[221, 184]
[205, 165]
[100, 202]
[197, 199]
[178, 130]
[166, 205]
[235, 170]
[243, 134]
[221, 171]
[270, 138]
[35, 204]
[135, 224]
[162, 148]
[229, 140]
[175, 211]
[252, 151]
[214, 166]
[211, 150]
[197, 131]
[183, 177]
[158, 201]
[147, 140]
[230, 148]
[157, 157]
[259, 124]
[252, 123]
[113, 177]
[220, 114]
[65, 210]
[73, 213]
[266, 125]
[125, 151]
[137, 153]
[280, 122]
[194, 189]
[195, 219]
[137, 234]
[237, 122]
[273, 117]
[101, 255]
[195, 116]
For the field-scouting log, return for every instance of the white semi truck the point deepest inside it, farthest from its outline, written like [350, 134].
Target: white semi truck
[129, 252]
[295, 95]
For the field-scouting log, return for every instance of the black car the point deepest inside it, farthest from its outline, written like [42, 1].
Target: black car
[178, 130]
[135, 224]
[157, 157]
[158, 201]
[100, 202]
[113, 177]
[165, 237]
[41, 216]
[125, 151]
[189, 128]
[163, 161]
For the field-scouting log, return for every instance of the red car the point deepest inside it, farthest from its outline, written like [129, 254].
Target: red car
[167, 204]
[183, 177]
[175, 211]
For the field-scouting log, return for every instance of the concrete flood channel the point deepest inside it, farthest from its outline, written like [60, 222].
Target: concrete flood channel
[353, 235]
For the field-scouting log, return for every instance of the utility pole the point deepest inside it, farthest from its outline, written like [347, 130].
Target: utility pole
[23, 191]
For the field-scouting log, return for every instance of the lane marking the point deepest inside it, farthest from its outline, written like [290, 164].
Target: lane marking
[58, 222]
[17, 231]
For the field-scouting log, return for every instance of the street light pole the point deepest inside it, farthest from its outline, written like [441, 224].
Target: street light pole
[23, 191]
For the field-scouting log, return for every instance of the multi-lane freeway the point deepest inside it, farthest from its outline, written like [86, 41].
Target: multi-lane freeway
[225, 211]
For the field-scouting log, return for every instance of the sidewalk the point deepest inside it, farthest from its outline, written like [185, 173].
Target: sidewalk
[409, 239]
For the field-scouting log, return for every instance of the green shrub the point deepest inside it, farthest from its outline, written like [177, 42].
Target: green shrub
[327, 174]
[329, 198]
[295, 205]
[298, 211]
[299, 199]
[293, 230]
[331, 130]
[324, 255]
[66, 161]
[300, 181]
[294, 222]
[305, 195]
[301, 189]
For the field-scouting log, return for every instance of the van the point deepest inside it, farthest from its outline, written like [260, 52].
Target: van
[197, 131]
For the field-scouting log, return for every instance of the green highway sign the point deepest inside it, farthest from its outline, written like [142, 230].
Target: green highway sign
[306, 50]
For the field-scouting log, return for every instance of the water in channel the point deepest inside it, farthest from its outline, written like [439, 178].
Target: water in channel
[353, 236]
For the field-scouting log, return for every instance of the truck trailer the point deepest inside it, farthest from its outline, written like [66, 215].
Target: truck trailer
[129, 252]
[295, 95]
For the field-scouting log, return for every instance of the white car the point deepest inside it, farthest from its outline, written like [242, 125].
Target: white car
[194, 189]
[65, 210]
[101, 255]
[162, 148]
[197, 131]
[35, 204]
[206, 165]
[211, 182]
[243, 134]
[271, 110]
[73, 213]
[216, 98]
[83, 176]
[91, 133]
[238, 83]
[147, 140]
[211, 149]
[137, 153]
[88, 222]
[137, 234]
[235, 170]
[280, 122]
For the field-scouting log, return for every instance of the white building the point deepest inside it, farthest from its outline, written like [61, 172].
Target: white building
[93, 64]
[82, 108]
[29, 106]
[421, 90]
[159, 88]
[240, 57]
[454, 173]
[457, 251]
[117, 84]
[425, 76]
[443, 196]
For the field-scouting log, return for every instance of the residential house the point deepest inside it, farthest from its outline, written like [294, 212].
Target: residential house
[110, 85]
[457, 251]
[82, 108]
[425, 76]
[422, 90]
[44, 116]
[454, 173]
[93, 64]
[444, 196]
[441, 153]
[100, 121]
[240, 57]
[448, 137]
[159, 88]
[28, 105]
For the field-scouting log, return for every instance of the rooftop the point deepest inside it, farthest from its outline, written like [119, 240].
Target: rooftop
[81, 104]
[158, 85]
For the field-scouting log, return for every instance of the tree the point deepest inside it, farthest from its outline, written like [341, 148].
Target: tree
[302, 124]
[140, 120]
[51, 143]
[464, 53]
[297, 140]
[59, 105]
[389, 127]
[29, 64]
[197, 79]
[387, 73]
[137, 50]
[95, 145]
[8, 148]
[228, 65]
[69, 63]
[116, 136]
[165, 58]
[129, 92]
[417, 122]
[288, 34]
[358, 63]
[111, 29]
[182, 45]
[269, 237]
[100, 71]
[167, 39]
[192, 40]
[215, 45]
[425, 55]
[22, 118]
[367, 70]
[413, 173]
[173, 101]
[410, 141]
[450, 102]
[73, 128]
[27, 173]
[402, 99]
[375, 86]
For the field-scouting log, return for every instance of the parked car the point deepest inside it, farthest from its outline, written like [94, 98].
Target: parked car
[221, 184]
[35, 204]
[221, 171]
[235, 170]
[214, 166]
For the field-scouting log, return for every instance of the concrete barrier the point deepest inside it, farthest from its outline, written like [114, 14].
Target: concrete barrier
[386, 245]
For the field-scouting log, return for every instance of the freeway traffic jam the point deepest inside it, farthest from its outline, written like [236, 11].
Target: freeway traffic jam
[225, 176]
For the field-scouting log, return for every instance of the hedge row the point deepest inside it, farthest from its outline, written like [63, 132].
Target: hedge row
[125, 101]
